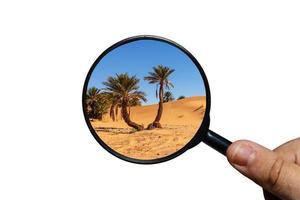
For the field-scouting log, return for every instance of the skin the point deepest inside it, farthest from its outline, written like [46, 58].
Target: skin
[277, 171]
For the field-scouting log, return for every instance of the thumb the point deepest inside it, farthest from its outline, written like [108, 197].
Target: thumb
[266, 168]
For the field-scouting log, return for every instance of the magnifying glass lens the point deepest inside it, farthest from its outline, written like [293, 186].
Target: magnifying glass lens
[145, 99]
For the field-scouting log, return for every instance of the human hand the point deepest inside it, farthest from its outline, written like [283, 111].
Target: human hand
[277, 171]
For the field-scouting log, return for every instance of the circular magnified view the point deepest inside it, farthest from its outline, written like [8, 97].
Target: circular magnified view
[145, 99]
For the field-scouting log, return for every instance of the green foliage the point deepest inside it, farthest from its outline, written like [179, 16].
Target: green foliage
[124, 87]
[135, 102]
[168, 96]
[181, 97]
[159, 76]
[96, 103]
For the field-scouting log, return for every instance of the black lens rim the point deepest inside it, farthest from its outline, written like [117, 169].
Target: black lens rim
[200, 132]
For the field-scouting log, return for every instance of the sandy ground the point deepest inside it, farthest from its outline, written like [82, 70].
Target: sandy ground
[180, 120]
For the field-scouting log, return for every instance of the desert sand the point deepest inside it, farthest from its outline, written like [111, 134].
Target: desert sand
[180, 121]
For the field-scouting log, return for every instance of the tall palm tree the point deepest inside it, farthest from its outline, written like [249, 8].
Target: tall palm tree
[96, 103]
[125, 87]
[159, 76]
[114, 100]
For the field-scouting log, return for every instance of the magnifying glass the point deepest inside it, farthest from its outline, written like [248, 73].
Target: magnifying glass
[146, 100]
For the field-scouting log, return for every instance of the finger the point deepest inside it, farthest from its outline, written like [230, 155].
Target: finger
[292, 144]
[290, 151]
[266, 168]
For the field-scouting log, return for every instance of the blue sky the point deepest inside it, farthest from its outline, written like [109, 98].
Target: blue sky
[139, 57]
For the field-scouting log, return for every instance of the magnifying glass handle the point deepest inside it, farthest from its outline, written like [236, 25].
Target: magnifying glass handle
[216, 141]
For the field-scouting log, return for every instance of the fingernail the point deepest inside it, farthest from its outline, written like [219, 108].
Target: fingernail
[241, 154]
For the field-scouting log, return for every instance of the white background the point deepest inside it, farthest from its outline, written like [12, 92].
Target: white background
[249, 51]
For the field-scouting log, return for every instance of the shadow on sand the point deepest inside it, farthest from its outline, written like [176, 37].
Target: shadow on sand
[115, 130]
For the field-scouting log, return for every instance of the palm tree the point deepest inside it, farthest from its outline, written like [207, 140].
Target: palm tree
[168, 96]
[113, 107]
[96, 103]
[134, 102]
[159, 76]
[125, 88]
[114, 101]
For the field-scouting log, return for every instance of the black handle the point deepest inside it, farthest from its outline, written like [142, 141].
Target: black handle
[216, 141]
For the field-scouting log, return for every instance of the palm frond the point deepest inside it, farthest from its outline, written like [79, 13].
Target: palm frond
[122, 86]
[160, 75]
[138, 95]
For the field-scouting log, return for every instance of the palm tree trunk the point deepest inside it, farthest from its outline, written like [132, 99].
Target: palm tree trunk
[156, 123]
[94, 111]
[126, 117]
[117, 111]
[111, 112]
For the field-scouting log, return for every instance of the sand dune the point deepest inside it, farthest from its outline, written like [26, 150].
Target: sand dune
[180, 120]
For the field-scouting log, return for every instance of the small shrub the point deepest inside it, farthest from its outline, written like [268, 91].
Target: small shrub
[181, 97]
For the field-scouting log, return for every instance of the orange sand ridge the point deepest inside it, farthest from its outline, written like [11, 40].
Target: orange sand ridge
[180, 121]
